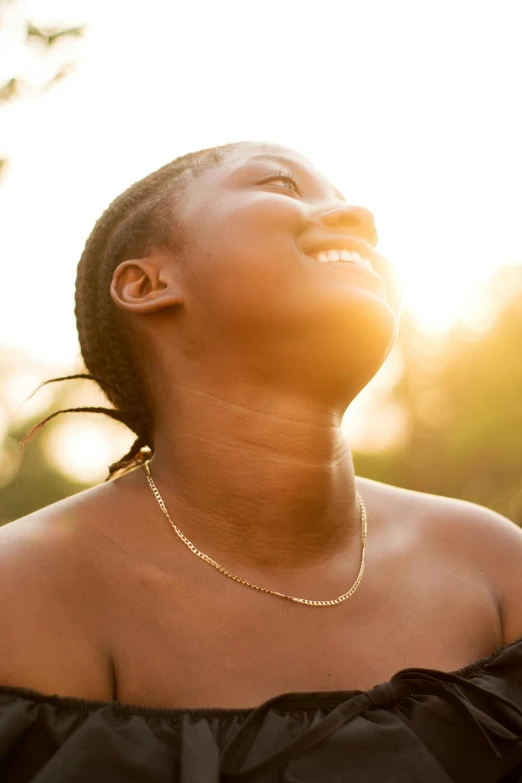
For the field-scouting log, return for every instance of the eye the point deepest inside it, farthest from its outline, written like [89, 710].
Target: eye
[290, 179]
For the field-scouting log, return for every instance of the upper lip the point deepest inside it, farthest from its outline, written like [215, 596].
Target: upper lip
[337, 242]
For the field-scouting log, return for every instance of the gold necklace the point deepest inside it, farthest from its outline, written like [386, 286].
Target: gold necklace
[208, 559]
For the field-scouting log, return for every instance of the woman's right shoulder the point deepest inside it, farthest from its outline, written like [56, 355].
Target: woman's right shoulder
[73, 527]
[52, 597]
[54, 535]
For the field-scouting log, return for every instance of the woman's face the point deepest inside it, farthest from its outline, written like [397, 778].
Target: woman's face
[257, 293]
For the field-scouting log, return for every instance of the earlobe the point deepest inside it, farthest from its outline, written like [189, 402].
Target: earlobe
[140, 286]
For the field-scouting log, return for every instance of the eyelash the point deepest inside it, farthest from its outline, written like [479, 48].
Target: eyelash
[287, 176]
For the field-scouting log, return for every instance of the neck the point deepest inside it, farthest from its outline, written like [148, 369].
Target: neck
[259, 484]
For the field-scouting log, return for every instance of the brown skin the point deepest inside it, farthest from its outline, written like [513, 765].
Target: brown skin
[253, 350]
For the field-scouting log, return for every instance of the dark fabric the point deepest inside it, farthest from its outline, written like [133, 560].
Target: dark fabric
[423, 726]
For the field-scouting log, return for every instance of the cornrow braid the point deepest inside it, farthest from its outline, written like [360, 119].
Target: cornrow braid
[140, 218]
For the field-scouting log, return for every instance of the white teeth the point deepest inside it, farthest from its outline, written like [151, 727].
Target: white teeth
[333, 256]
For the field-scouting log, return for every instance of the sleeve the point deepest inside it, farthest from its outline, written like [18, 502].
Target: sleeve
[51, 739]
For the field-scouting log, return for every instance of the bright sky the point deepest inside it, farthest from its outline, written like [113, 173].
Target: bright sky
[411, 108]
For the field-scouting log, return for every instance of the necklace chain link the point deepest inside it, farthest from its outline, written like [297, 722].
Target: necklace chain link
[209, 560]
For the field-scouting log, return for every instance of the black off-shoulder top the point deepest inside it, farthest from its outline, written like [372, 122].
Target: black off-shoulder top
[422, 726]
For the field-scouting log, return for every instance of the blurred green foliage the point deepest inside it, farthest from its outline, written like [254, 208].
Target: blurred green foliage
[462, 394]
[31, 481]
[37, 484]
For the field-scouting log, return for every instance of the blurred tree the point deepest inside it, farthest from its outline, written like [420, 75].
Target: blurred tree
[38, 483]
[463, 394]
[18, 32]
[71, 453]
[28, 484]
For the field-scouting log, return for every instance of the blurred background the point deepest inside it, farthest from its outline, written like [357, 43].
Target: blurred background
[410, 108]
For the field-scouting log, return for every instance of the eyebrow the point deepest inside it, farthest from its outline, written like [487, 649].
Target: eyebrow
[287, 161]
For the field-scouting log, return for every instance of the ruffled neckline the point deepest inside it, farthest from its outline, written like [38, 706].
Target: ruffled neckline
[284, 702]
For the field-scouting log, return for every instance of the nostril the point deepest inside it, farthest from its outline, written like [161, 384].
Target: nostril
[352, 217]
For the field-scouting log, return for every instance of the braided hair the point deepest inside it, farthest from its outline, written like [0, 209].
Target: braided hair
[140, 218]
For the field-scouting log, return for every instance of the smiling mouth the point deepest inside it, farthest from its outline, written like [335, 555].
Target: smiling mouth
[341, 249]
[341, 256]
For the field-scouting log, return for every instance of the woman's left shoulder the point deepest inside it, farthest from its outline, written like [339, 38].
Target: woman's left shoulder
[471, 534]
[450, 517]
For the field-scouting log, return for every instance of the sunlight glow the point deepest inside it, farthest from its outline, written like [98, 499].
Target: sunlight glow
[374, 422]
[434, 305]
[83, 450]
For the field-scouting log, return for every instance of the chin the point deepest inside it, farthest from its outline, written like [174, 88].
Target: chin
[343, 358]
[373, 338]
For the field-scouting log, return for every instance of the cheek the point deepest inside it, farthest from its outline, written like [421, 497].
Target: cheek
[260, 222]
[243, 249]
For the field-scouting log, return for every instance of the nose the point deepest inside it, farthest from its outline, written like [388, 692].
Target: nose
[359, 220]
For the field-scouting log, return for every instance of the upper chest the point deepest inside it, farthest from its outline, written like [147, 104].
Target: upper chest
[196, 638]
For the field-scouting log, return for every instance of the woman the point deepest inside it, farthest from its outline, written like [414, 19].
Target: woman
[231, 306]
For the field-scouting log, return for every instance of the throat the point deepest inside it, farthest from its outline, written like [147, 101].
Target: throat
[299, 528]
[270, 492]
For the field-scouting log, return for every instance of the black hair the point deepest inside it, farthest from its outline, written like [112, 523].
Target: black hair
[142, 217]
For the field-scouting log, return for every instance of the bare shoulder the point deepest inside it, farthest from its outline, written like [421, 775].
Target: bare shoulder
[51, 596]
[52, 544]
[468, 534]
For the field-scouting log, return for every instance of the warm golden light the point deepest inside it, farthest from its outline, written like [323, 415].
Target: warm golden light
[83, 449]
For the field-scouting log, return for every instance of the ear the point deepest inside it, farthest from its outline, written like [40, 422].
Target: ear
[142, 285]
